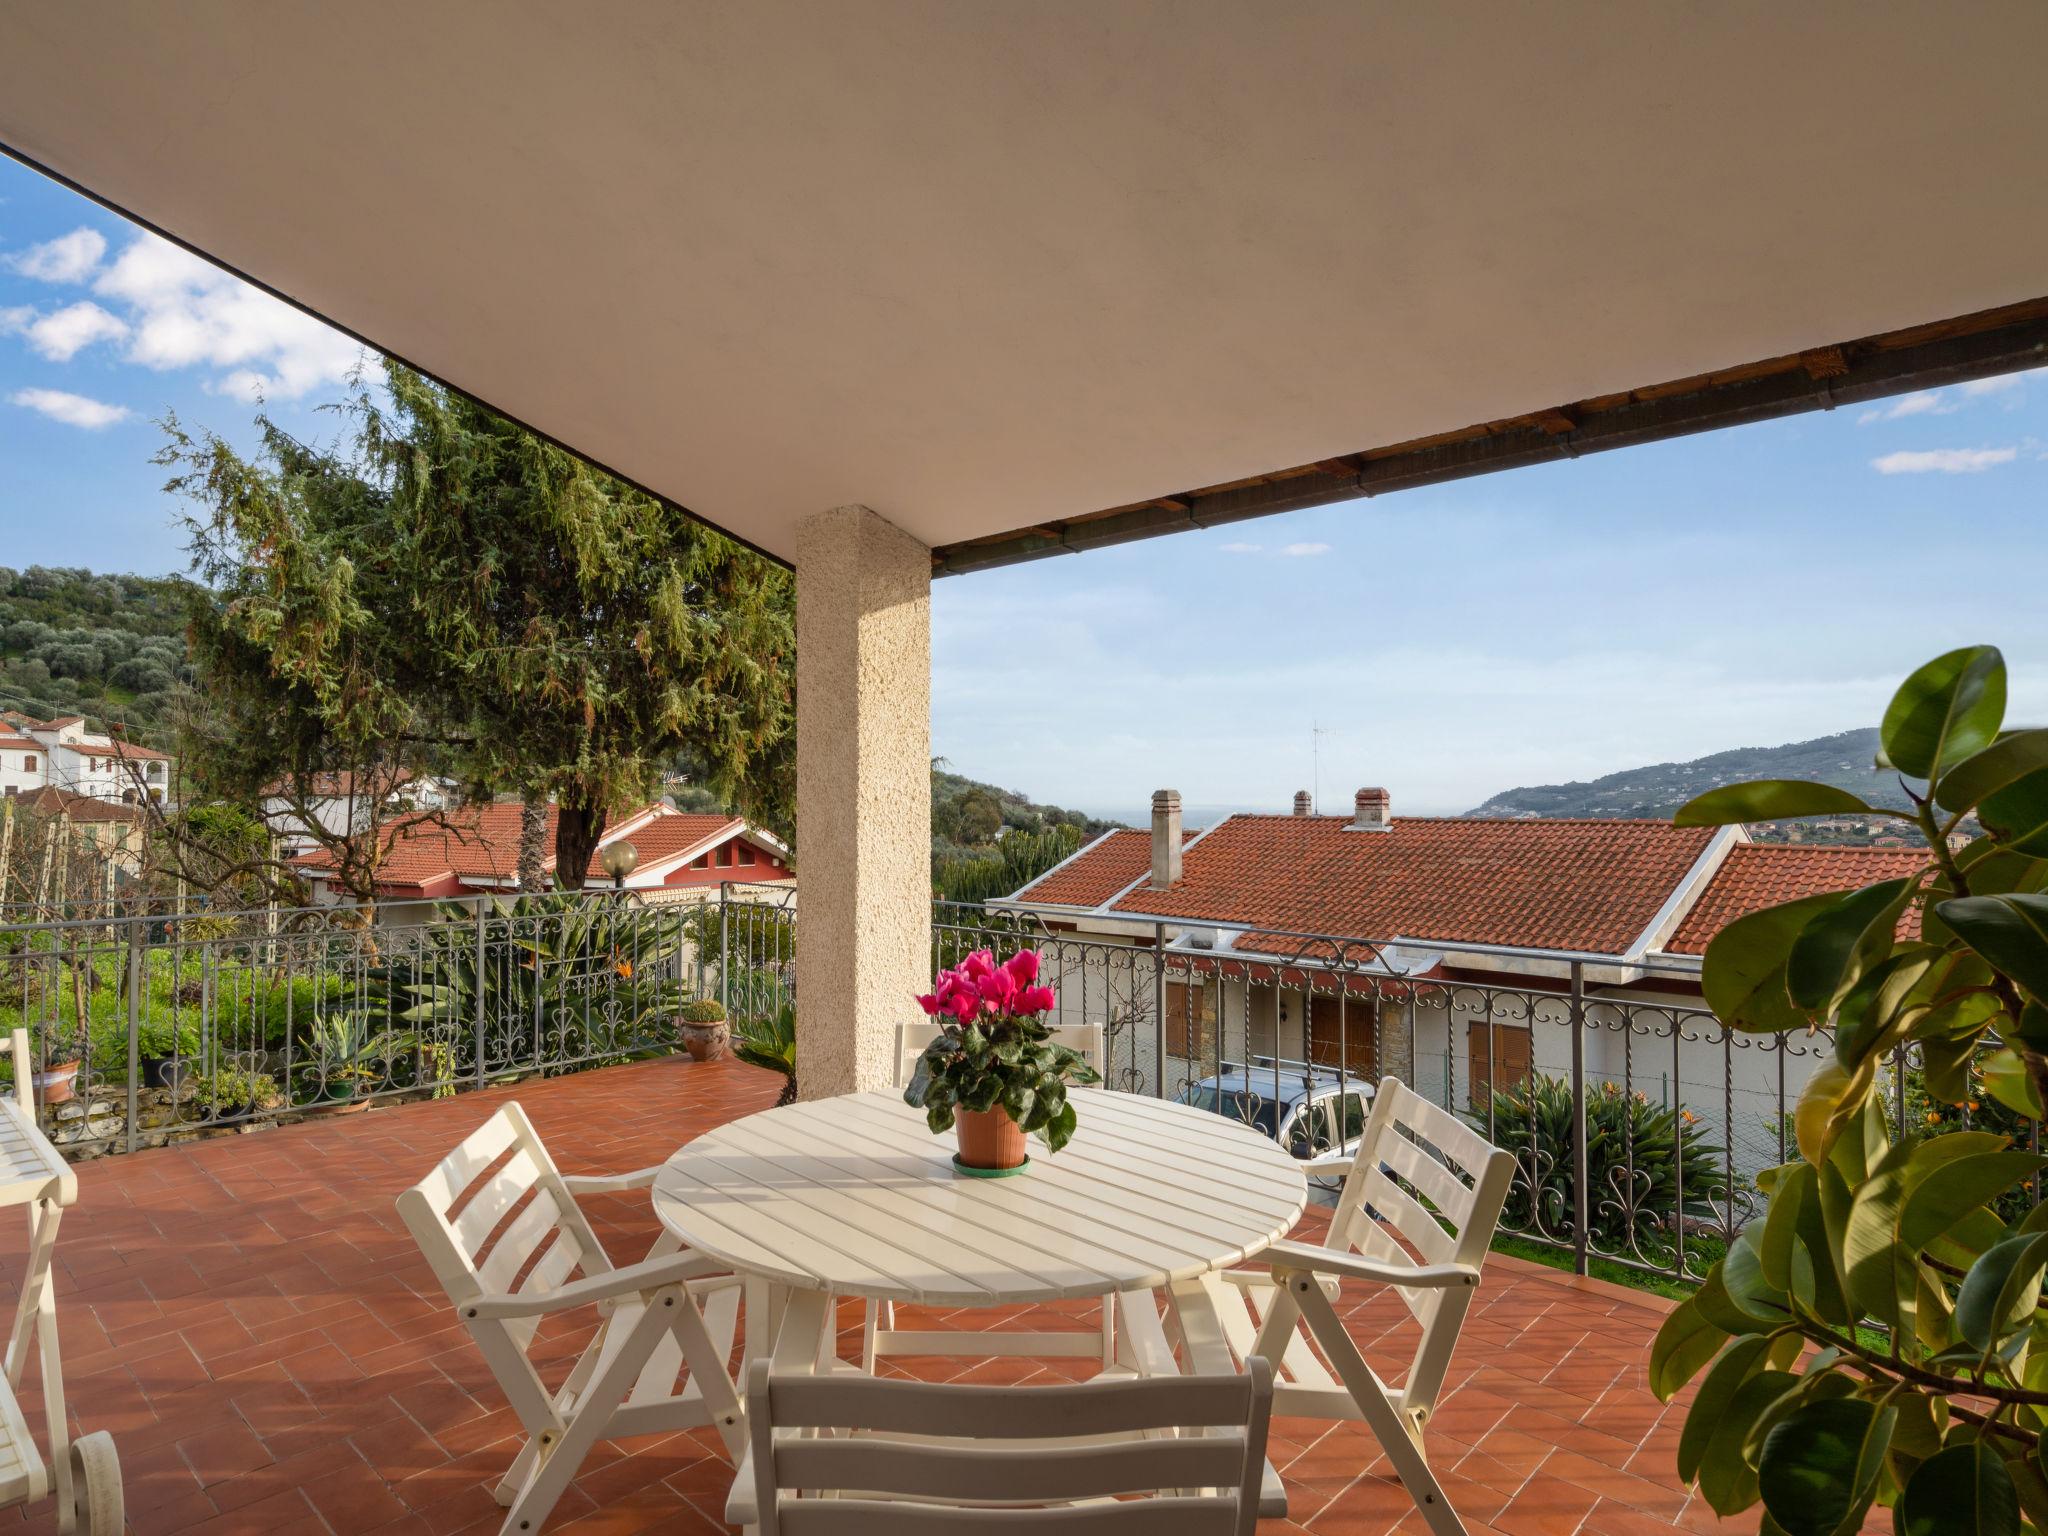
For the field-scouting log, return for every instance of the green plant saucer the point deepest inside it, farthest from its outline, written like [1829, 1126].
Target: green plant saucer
[967, 1172]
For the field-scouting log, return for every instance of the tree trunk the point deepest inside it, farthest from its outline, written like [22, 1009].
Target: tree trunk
[533, 842]
[577, 831]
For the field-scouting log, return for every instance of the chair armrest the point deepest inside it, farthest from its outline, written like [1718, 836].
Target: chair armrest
[609, 1285]
[1249, 1279]
[1329, 1162]
[1296, 1258]
[610, 1184]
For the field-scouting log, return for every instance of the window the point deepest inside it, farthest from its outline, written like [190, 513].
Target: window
[1190, 1021]
[746, 854]
[725, 857]
[702, 861]
[1340, 1033]
[28, 763]
[1351, 1114]
[1499, 1056]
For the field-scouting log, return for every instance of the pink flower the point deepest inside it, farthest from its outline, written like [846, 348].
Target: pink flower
[1036, 1000]
[1023, 966]
[928, 1002]
[977, 965]
[965, 1006]
[997, 990]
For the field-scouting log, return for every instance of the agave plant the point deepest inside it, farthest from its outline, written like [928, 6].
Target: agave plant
[769, 1040]
[1877, 1335]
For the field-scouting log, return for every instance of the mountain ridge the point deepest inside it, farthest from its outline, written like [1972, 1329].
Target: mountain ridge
[1657, 789]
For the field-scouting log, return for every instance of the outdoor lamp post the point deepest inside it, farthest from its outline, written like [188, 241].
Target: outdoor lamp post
[618, 860]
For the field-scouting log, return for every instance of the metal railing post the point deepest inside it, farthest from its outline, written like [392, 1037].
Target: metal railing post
[482, 987]
[1581, 1196]
[724, 949]
[1159, 1011]
[134, 1030]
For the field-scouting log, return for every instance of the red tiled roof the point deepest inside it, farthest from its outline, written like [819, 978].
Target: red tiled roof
[1759, 875]
[481, 843]
[21, 741]
[51, 801]
[1095, 874]
[1591, 886]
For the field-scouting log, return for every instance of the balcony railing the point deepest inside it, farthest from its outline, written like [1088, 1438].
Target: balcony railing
[1638, 1121]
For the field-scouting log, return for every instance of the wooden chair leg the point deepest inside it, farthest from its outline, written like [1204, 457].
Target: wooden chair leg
[1396, 1436]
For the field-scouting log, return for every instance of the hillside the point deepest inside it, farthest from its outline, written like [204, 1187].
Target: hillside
[106, 647]
[1660, 789]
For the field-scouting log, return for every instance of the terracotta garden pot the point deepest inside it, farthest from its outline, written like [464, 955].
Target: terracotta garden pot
[707, 1042]
[53, 1086]
[989, 1138]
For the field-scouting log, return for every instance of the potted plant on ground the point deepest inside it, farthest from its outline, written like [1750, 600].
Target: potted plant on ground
[704, 1029]
[59, 1054]
[769, 1040]
[994, 1074]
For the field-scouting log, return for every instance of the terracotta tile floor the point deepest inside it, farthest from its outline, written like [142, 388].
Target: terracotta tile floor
[251, 1320]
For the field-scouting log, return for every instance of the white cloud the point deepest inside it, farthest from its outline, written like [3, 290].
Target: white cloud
[1941, 402]
[60, 336]
[1240, 549]
[72, 410]
[1943, 461]
[66, 259]
[1306, 549]
[182, 312]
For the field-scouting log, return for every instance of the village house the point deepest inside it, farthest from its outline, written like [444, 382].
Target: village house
[344, 803]
[474, 850]
[62, 754]
[1444, 950]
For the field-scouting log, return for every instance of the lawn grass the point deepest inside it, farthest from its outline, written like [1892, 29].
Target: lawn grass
[1606, 1269]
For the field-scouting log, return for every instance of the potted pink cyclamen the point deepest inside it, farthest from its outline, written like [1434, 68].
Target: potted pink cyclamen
[993, 1074]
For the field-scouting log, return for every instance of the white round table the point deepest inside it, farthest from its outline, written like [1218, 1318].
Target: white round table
[854, 1196]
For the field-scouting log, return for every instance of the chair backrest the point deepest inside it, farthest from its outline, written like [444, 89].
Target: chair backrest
[921, 1457]
[24, 1089]
[494, 1218]
[1424, 1188]
[1089, 1040]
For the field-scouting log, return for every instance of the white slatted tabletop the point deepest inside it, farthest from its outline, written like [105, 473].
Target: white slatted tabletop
[854, 1196]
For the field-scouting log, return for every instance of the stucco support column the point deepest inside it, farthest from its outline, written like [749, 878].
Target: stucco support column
[863, 795]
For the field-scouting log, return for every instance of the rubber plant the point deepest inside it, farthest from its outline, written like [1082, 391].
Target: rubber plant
[1878, 1335]
[997, 1050]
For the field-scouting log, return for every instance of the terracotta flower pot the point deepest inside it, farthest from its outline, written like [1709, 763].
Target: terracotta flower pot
[54, 1085]
[706, 1042]
[989, 1138]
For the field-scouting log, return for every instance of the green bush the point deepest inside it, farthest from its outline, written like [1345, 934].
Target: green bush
[226, 1091]
[1635, 1199]
[768, 1040]
[706, 1010]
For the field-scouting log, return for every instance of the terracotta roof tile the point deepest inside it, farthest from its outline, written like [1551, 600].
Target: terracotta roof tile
[1592, 886]
[1759, 875]
[52, 801]
[1097, 873]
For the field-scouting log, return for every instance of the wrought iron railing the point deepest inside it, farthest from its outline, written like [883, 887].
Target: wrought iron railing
[1638, 1122]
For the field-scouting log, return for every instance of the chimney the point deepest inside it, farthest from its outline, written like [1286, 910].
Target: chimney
[1302, 804]
[1165, 838]
[1374, 812]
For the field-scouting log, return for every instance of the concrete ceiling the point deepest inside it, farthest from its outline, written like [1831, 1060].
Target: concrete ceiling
[984, 265]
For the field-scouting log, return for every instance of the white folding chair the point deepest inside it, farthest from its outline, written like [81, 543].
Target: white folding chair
[880, 1337]
[508, 1254]
[846, 1455]
[1417, 1212]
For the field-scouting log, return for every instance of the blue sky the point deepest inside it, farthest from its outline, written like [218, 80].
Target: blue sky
[1739, 589]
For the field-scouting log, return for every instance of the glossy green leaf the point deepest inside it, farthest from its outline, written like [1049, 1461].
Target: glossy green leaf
[1964, 1490]
[2009, 931]
[1684, 1343]
[2018, 813]
[1842, 941]
[1946, 711]
[2006, 1078]
[1727, 1479]
[1742, 1359]
[1766, 800]
[1820, 1464]
[1884, 1003]
[1795, 1183]
[1870, 1249]
[1743, 972]
[1999, 1293]
[1952, 1191]
[2012, 757]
